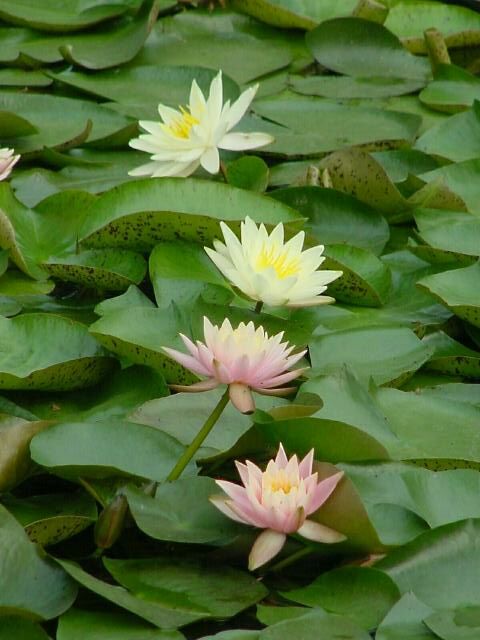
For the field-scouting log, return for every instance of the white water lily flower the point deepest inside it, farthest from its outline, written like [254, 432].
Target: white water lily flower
[269, 270]
[193, 135]
[7, 161]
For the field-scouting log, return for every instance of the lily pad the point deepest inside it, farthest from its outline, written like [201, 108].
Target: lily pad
[48, 519]
[62, 16]
[64, 122]
[110, 269]
[32, 584]
[364, 49]
[78, 624]
[75, 449]
[181, 512]
[139, 214]
[70, 357]
[457, 289]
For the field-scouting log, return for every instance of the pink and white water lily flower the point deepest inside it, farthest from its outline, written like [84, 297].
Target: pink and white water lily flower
[270, 270]
[191, 136]
[7, 162]
[279, 500]
[245, 359]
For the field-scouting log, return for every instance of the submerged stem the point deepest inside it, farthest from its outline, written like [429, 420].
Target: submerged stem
[190, 451]
[286, 562]
[258, 306]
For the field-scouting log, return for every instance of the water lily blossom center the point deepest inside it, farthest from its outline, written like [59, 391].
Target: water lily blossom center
[279, 500]
[245, 359]
[191, 136]
[268, 269]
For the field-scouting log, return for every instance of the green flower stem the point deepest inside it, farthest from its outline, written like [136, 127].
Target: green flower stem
[286, 562]
[190, 451]
[258, 306]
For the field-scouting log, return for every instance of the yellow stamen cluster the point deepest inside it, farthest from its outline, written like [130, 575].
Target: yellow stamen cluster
[181, 127]
[283, 265]
[278, 482]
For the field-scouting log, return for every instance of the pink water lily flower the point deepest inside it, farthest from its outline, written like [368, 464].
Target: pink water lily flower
[278, 500]
[7, 161]
[245, 359]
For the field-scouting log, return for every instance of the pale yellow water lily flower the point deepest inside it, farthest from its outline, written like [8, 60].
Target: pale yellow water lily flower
[279, 500]
[270, 270]
[191, 136]
[7, 161]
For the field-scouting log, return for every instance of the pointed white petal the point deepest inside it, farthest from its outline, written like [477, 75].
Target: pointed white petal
[210, 160]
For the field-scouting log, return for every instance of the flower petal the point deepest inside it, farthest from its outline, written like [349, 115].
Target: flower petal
[210, 160]
[266, 546]
[320, 533]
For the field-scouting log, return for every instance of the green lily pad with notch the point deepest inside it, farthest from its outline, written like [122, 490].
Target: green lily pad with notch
[294, 14]
[73, 449]
[189, 582]
[432, 498]
[458, 289]
[59, 15]
[78, 624]
[70, 358]
[404, 621]
[334, 217]
[366, 280]
[109, 269]
[452, 89]
[64, 122]
[32, 585]
[456, 139]
[16, 434]
[364, 49]
[162, 413]
[451, 236]
[440, 566]
[163, 612]
[48, 519]
[435, 432]
[139, 214]
[408, 19]
[181, 511]
[141, 88]
[316, 126]
[452, 357]
[362, 594]
[460, 178]
[393, 353]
